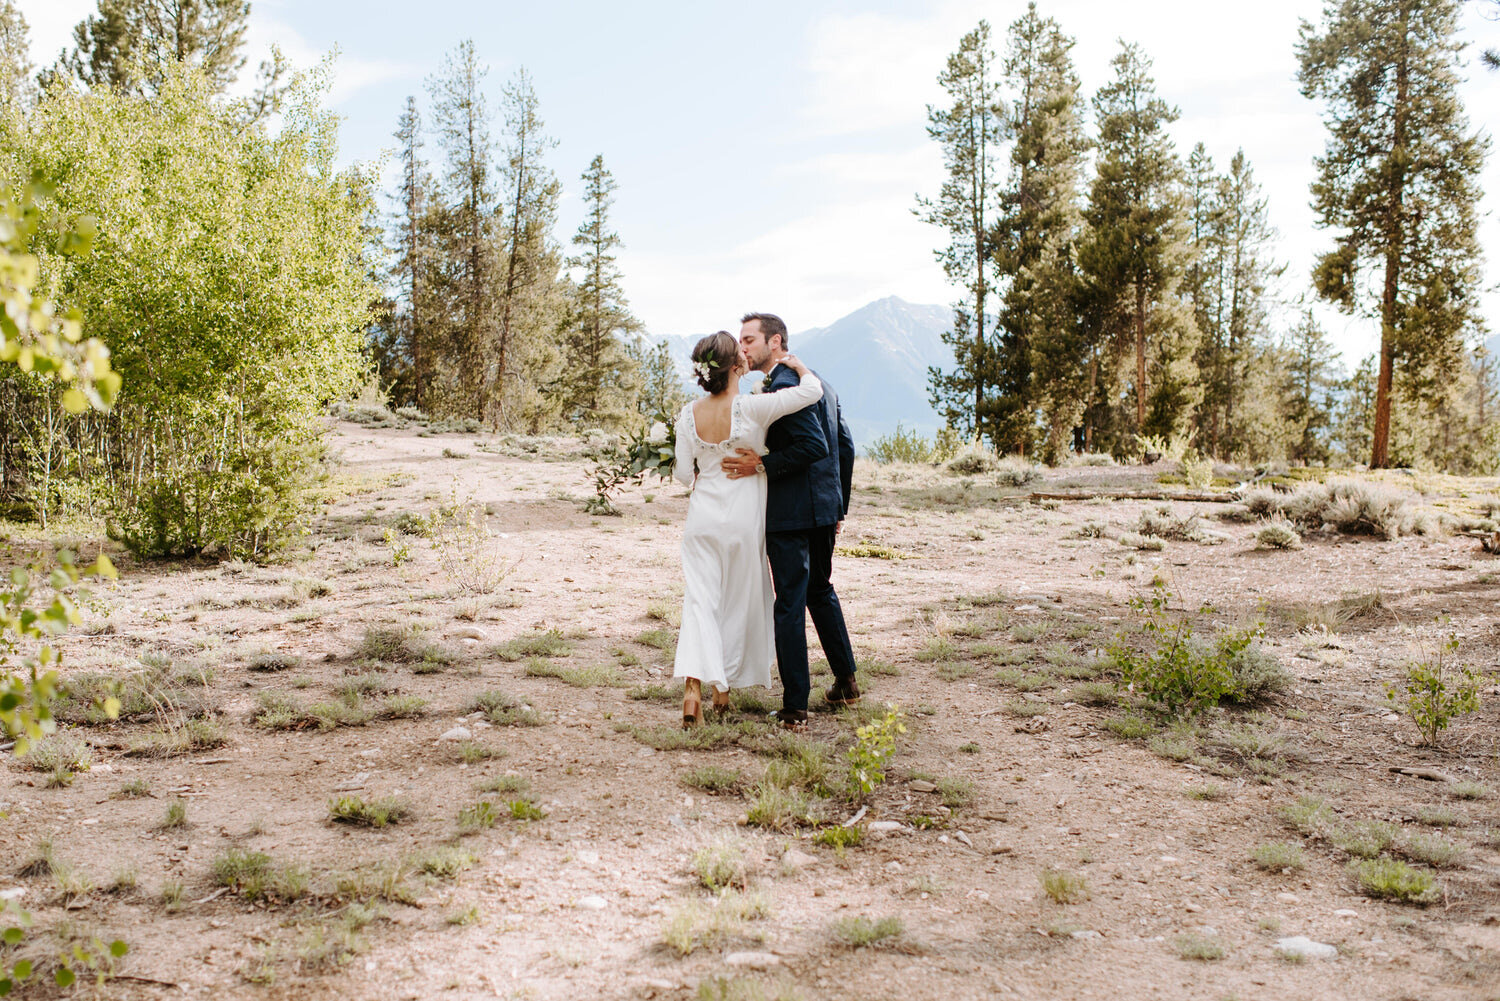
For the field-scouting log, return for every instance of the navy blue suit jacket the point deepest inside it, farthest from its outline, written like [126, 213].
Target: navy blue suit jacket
[810, 466]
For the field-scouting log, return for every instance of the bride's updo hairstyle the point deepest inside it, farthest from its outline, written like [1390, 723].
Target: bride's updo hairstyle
[713, 357]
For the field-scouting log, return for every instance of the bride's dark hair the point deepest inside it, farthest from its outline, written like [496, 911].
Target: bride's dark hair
[713, 357]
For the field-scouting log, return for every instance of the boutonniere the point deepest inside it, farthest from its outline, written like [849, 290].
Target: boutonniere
[765, 385]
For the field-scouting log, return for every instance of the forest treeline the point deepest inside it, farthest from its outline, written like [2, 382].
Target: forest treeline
[1114, 290]
[244, 281]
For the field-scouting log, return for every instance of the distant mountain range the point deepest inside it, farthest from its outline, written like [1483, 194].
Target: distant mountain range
[876, 359]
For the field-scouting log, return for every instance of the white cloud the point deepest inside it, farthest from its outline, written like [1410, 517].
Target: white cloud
[351, 73]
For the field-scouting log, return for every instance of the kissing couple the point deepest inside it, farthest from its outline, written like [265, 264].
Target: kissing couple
[770, 474]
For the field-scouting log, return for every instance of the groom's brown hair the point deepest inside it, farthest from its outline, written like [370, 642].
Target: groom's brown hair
[771, 325]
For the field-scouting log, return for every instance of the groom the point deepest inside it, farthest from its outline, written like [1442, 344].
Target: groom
[809, 467]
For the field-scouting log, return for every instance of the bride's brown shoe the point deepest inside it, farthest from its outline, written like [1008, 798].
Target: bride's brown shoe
[721, 703]
[692, 703]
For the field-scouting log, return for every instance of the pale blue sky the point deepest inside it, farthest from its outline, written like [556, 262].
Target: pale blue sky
[768, 154]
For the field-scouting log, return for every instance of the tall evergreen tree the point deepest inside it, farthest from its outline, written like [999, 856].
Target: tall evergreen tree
[598, 375]
[1399, 180]
[1136, 252]
[1038, 355]
[1311, 392]
[1228, 285]
[16, 87]
[470, 263]
[130, 44]
[1206, 285]
[970, 132]
[528, 290]
[409, 363]
[661, 385]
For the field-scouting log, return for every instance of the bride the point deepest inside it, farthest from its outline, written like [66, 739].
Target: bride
[728, 634]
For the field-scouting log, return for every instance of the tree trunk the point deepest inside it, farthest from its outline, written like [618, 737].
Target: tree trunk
[1380, 456]
[1140, 358]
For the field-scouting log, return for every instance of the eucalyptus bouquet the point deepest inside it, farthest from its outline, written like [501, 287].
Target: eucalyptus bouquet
[651, 449]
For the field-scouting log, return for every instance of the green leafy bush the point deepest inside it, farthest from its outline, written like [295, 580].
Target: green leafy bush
[228, 278]
[1178, 671]
[1435, 691]
[874, 745]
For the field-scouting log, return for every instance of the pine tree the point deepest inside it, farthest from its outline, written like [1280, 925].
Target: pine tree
[1399, 181]
[970, 132]
[1038, 355]
[661, 392]
[1135, 255]
[1311, 392]
[406, 364]
[469, 262]
[1206, 286]
[529, 294]
[130, 44]
[598, 376]
[16, 87]
[1235, 241]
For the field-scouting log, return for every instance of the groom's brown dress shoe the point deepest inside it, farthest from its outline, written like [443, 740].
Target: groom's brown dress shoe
[843, 693]
[791, 719]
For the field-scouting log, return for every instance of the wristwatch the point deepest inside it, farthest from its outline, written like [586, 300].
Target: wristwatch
[760, 467]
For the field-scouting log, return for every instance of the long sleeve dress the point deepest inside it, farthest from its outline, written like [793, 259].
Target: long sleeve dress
[728, 632]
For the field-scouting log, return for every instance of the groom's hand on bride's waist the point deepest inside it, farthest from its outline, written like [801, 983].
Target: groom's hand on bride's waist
[744, 462]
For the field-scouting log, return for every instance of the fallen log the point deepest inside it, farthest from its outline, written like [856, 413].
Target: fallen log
[1162, 495]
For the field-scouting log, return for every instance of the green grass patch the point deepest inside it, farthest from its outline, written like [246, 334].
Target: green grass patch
[1064, 887]
[1279, 856]
[376, 813]
[550, 643]
[502, 709]
[598, 676]
[1390, 879]
[713, 779]
[860, 932]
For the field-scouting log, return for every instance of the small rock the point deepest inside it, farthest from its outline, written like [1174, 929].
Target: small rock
[457, 733]
[1287, 898]
[1086, 934]
[960, 835]
[13, 893]
[472, 633]
[591, 903]
[797, 861]
[588, 858]
[922, 785]
[885, 827]
[1345, 912]
[753, 960]
[1301, 945]
[676, 821]
[1001, 849]
[1193, 908]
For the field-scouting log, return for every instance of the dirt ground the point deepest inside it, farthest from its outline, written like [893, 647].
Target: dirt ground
[983, 616]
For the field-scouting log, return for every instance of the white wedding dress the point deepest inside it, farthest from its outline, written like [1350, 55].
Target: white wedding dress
[728, 634]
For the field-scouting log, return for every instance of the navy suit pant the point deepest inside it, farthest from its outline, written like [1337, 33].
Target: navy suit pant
[801, 570]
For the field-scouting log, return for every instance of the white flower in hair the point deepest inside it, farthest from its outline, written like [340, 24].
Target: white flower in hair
[702, 369]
